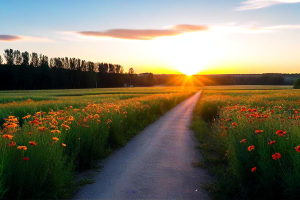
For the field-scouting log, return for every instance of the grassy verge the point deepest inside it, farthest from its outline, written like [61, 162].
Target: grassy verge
[250, 141]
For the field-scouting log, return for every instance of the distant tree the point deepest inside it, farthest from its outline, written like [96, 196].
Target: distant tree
[1, 60]
[297, 84]
[25, 58]
[121, 70]
[34, 59]
[90, 66]
[118, 68]
[9, 56]
[17, 57]
[131, 71]
[101, 68]
[72, 63]
[111, 68]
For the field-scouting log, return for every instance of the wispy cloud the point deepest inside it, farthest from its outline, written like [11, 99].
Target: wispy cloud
[145, 34]
[16, 38]
[257, 4]
[174, 30]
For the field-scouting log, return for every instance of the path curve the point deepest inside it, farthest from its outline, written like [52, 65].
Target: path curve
[156, 164]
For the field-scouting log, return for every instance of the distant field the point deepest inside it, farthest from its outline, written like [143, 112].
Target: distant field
[47, 135]
[250, 140]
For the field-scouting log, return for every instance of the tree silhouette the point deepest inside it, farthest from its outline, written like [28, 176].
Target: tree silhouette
[25, 58]
[9, 56]
[17, 57]
[131, 71]
[1, 60]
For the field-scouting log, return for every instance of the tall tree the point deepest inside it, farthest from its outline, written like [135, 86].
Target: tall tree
[34, 59]
[1, 60]
[111, 68]
[9, 56]
[131, 71]
[17, 57]
[121, 70]
[25, 58]
[118, 68]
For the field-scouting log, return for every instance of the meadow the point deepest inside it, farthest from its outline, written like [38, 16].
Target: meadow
[250, 141]
[50, 135]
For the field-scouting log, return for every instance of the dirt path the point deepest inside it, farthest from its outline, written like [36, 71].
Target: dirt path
[156, 164]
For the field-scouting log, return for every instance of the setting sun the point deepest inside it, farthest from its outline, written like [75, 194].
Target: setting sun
[189, 53]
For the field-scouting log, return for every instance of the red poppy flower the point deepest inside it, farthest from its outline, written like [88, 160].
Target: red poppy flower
[25, 158]
[281, 133]
[250, 148]
[272, 142]
[276, 156]
[297, 148]
[253, 169]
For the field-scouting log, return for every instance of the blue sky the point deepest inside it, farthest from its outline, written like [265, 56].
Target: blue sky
[51, 28]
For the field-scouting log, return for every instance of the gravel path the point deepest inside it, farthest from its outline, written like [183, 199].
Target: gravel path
[156, 164]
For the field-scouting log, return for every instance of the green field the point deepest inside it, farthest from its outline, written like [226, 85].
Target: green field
[250, 140]
[48, 135]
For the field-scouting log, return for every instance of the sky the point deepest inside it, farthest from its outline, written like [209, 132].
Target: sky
[160, 36]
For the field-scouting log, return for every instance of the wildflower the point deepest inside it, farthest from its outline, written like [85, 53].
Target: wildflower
[250, 148]
[22, 147]
[55, 139]
[272, 142]
[8, 136]
[253, 110]
[12, 125]
[55, 131]
[259, 131]
[228, 119]
[29, 133]
[64, 145]
[243, 141]
[234, 124]
[42, 129]
[223, 134]
[26, 117]
[253, 169]
[65, 126]
[32, 143]
[297, 148]
[96, 116]
[280, 133]
[25, 159]
[276, 156]
[12, 144]
[296, 112]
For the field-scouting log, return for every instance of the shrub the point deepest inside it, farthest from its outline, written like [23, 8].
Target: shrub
[297, 84]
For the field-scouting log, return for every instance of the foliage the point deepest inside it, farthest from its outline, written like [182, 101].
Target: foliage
[297, 84]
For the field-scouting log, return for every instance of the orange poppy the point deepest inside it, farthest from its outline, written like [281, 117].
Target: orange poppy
[8, 136]
[250, 148]
[22, 147]
[12, 144]
[243, 141]
[32, 143]
[64, 145]
[55, 139]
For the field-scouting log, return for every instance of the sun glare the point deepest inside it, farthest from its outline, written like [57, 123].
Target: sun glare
[189, 53]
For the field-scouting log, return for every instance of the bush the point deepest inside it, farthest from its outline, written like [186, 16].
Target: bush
[297, 84]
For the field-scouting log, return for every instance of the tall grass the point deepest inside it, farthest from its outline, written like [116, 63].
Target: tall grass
[39, 159]
[246, 119]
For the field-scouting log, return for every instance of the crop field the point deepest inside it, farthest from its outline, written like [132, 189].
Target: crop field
[250, 140]
[47, 136]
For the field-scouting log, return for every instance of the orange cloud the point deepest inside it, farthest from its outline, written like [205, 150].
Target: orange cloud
[13, 38]
[144, 34]
[9, 38]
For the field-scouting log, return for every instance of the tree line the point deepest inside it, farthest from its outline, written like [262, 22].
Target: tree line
[25, 71]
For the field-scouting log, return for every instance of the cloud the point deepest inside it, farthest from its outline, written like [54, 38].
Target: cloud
[9, 38]
[257, 4]
[145, 34]
[14, 38]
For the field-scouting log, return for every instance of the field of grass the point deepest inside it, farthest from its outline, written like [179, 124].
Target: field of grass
[250, 140]
[49, 135]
